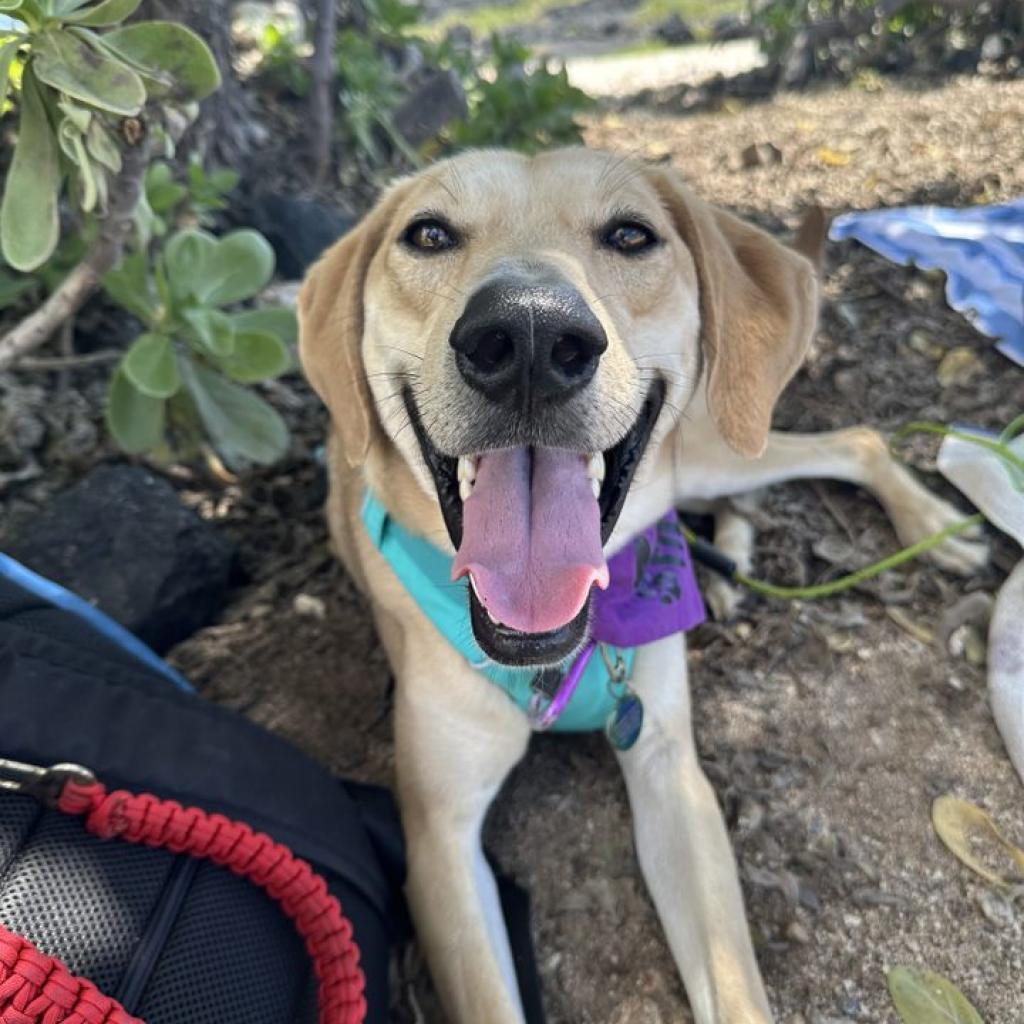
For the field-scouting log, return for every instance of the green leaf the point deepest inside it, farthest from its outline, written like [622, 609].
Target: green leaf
[80, 117]
[29, 226]
[129, 286]
[109, 12]
[279, 320]
[217, 272]
[924, 997]
[102, 147]
[71, 137]
[164, 198]
[184, 259]
[30, 12]
[7, 54]
[9, 5]
[163, 192]
[165, 50]
[69, 66]
[146, 223]
[257, 355]
[151, 367]
[240, 265]
[241, 426]
[214, 330]
[136, 420]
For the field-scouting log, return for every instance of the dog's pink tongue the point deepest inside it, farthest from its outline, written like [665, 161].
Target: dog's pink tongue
[531, 538]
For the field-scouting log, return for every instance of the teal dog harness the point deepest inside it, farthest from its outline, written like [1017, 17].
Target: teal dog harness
[652, 593]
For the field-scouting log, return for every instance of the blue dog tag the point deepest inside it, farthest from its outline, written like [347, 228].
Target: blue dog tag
[625, 721]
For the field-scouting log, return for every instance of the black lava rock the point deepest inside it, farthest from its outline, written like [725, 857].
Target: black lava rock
[436, 98]
[675, 31]
[122, 539]
[298, 229]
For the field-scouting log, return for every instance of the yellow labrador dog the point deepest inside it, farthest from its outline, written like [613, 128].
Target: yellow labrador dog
[527, 361]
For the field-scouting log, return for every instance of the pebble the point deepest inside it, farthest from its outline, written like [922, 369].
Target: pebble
[996, 908]
[796, 932]
[923, 342]
[310, 607]
[750, 817]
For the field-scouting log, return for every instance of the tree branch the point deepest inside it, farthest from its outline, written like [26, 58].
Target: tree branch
[84, 279]
[321, 98]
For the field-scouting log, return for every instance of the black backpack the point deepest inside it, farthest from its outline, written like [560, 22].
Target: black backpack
[173, 939]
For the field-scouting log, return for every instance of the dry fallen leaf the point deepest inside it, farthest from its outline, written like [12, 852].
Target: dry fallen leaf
[970, 834]
[832, 157]
[924, 997]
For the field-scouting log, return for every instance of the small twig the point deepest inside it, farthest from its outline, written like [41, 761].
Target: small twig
[82, 282]
[106, 355]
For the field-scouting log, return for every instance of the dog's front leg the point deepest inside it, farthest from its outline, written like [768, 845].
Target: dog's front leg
[456, 738]
[684, 848]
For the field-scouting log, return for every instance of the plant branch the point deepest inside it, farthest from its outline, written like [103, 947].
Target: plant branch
[80, 284]
[73, 362]
[321, 97]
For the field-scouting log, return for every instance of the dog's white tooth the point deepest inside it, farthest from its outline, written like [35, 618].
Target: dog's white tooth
[595, 486]
[465, 489]
[467, 468]
[595, 466]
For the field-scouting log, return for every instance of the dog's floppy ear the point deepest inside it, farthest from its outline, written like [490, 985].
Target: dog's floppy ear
[331, 322]
[758, 309]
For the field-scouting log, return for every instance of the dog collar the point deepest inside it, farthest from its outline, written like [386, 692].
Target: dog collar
[652, 593]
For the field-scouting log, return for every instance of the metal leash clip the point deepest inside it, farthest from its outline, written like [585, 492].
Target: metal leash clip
[44, 784]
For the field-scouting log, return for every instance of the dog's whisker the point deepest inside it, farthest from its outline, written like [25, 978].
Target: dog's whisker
[404, 351]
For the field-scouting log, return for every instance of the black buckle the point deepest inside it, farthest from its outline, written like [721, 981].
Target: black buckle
[44, 784]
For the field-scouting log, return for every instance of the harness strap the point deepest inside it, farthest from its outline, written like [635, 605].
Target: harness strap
[38, 989]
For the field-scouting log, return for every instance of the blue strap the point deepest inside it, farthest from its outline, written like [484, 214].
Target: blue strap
[56, 595]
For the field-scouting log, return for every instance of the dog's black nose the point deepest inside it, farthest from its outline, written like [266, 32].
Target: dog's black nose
[528, 340]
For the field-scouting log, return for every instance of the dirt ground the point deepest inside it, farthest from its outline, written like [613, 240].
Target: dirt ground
[827, 729]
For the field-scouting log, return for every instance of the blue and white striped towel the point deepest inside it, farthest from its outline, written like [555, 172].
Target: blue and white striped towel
[981, 250]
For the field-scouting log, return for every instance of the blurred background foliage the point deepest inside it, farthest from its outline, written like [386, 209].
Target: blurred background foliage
[320, 103]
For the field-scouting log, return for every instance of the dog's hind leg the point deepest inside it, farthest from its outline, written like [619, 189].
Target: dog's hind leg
[684, 848]
[858, 455]
[456, 736]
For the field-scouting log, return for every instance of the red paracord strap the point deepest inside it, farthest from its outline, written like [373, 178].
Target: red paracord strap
[36, 989]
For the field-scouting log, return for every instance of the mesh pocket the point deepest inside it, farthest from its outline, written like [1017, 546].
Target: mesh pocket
[232, 958]
[82, 900]
[18, 816]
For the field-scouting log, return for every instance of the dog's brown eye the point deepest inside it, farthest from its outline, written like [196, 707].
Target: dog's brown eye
[629, 237]
[430, 235]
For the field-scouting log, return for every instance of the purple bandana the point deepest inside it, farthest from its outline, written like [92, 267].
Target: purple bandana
[653, 590]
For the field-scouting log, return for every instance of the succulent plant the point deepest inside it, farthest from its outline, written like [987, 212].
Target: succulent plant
[185, 376]
[78, 73]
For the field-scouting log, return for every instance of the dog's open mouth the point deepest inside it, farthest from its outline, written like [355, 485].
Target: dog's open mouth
[529, 527]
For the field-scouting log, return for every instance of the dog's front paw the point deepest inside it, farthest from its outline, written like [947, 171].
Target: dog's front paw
[927, 515]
